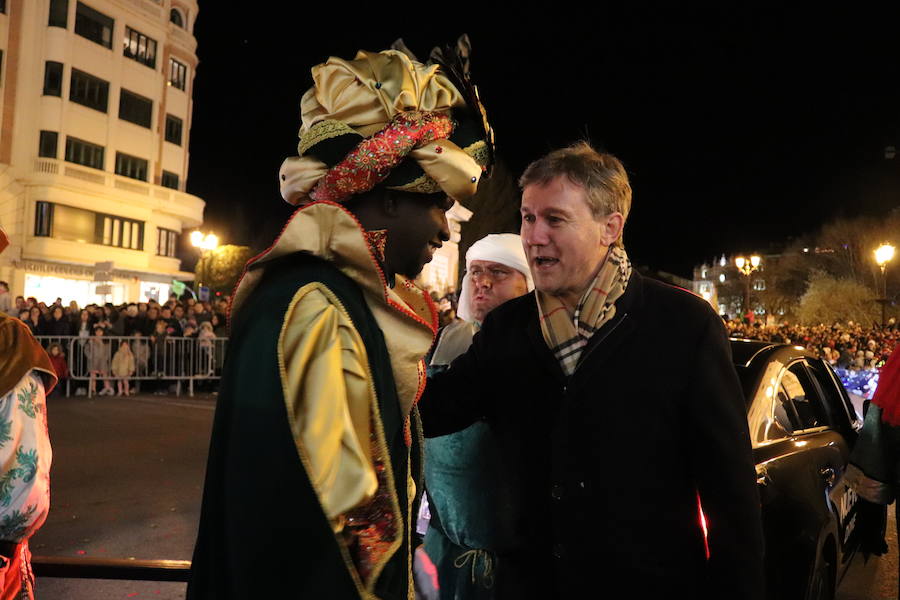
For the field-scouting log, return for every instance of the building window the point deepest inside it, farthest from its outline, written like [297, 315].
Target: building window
[89, 91]
[176, 18]
[47, 148]
[166, 242]
[73, 224]
[173, 130]
[177, 74]
[84, 153]
[53, 73]
[135, 109]
[759, 285]
[140, 47]
[79, 225]
[93, 25]
[170, 180]
[117, 231]
[59, 13]
[3, 6]
[131, 166]
[43, 219]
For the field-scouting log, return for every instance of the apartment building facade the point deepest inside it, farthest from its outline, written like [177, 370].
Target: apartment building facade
[95, 115]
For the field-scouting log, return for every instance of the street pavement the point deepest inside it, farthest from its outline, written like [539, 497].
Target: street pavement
[877, 578]
[127, 481]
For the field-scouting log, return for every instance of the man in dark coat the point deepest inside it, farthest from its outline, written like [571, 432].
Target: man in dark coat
[617, 451]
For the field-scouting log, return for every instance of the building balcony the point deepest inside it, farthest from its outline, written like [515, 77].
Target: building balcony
[150, 8]
[186, 207]
[182, 37]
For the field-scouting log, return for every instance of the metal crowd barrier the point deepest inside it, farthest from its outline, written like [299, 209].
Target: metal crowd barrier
[182, 360]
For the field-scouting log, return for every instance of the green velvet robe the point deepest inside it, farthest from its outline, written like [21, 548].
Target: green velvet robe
[263, 532]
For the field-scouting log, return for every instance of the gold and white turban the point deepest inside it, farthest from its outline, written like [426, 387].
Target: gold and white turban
[385, 119]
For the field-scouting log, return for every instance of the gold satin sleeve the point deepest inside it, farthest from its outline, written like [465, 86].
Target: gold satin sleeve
[328, 393]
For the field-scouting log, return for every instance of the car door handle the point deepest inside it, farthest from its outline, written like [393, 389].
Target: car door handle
[828, 475]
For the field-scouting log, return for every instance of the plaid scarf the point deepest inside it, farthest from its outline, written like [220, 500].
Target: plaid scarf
[567, 336]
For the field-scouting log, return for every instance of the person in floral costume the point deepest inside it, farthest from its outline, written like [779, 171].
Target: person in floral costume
[26, 378]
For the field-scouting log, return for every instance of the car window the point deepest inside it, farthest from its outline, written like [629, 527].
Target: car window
[805, 397]
[836, 401]
[787, 402]
[767, 417]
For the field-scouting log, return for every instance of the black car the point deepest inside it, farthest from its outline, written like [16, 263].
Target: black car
[802, 427]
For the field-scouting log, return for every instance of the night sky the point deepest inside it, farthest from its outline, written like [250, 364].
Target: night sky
[739, 131]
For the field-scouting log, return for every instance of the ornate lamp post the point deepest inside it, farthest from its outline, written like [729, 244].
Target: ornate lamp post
[746, 266]
[205, 243]
[883, 255]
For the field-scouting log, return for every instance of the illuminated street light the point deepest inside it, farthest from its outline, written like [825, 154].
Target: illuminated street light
[883, 255]
[204, 242]
[746, 266]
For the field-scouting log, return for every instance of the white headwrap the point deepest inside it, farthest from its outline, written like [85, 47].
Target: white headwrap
[503, 248]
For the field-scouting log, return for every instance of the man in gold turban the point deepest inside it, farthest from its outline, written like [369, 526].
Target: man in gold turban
[315, 458]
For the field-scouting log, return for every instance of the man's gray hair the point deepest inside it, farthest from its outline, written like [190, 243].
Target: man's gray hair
[602, 176]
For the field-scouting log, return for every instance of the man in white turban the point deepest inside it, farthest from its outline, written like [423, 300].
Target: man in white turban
[496, 271]
[463, 470]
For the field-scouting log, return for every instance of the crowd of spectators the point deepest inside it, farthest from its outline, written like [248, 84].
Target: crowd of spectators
[178, 318]
[848, 346]
[150, 326]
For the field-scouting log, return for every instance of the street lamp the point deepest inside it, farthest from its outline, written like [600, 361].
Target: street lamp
[883, 255]
[204, 242]
[746, 266]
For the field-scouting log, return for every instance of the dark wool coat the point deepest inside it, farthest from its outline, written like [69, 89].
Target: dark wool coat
[608, 464]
